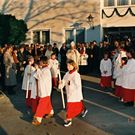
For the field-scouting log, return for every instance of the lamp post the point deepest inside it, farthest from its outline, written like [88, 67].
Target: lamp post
[90, 20]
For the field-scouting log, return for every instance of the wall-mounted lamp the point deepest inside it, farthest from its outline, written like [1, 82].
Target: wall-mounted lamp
[90, 20]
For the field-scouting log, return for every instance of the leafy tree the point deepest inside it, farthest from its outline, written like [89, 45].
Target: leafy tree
[12, 30]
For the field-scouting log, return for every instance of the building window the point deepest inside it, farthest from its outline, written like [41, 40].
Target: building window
[76, 35]
[69, 36]
[45, 37]
[80, 35]
[132, 1]
[122, 2]
[36, 37]
[108, 3]
[41, 36]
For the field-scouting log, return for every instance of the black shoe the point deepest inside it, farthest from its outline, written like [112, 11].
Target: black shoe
[68, 123]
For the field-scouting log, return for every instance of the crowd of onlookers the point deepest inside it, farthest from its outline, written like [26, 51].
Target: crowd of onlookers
[88, 56]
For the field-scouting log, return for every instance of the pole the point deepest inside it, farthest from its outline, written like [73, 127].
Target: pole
[62, 94]
[27, 91]
[28, 79]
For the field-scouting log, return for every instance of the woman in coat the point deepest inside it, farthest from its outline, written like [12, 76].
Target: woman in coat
[10, 70]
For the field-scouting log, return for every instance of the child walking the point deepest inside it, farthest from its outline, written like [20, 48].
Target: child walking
[26, 81]
[73, 84]
[44, 82]
[34, 89]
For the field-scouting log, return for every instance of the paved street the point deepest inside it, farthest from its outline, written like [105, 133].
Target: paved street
[106, 115]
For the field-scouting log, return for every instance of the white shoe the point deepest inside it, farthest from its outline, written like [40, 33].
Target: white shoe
[68, 123]
[84, 113]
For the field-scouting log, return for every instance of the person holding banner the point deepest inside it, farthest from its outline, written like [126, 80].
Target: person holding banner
[26, 80]
[73, 84]
[44, 80]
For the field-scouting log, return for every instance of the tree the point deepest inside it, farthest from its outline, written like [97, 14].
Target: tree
[12, 30]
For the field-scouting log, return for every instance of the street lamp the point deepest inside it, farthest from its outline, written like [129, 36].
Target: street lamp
[90, 20]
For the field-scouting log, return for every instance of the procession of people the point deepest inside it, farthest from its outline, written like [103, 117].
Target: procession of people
[38, 68]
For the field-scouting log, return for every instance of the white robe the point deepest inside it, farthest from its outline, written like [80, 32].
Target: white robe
[128, 79]
[48, 54]
[54, 67]
[74, 55]
[119, 76]
[26, 78]
[106, 65]
[73, 86]
[44, 82]
[83, 60]
[118, 62]
[33, 84]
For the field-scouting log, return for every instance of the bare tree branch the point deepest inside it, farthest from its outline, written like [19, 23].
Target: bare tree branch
[31, 2]
[4, 6]
[55, 17]
[66, 10]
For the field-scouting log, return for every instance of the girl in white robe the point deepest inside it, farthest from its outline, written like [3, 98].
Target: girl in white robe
[72, 82]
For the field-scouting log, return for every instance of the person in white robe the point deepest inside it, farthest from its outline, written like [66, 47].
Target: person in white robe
[83, 61]
[106, 71]
[72, 82]
[49, 51]
[26, 80]
[34, 88]
[54, 67]
[119, 77]
[128, 81]
[44, 80]
[73, 53]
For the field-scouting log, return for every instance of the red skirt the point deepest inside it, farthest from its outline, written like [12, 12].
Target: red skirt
[34, 104]
[128, 95]
[28, 100]
[106, 81]
[118, 91]
[74, 109]
[44, 107]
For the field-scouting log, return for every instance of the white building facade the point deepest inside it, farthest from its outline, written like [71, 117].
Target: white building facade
[118, 18]
[62, 21]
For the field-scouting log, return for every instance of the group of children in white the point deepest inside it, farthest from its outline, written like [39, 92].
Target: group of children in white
[122, 70]
[38, 81]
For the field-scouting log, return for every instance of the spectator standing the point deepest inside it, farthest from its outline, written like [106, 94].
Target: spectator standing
[10, 71]
[55, 49]
[63, 51]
